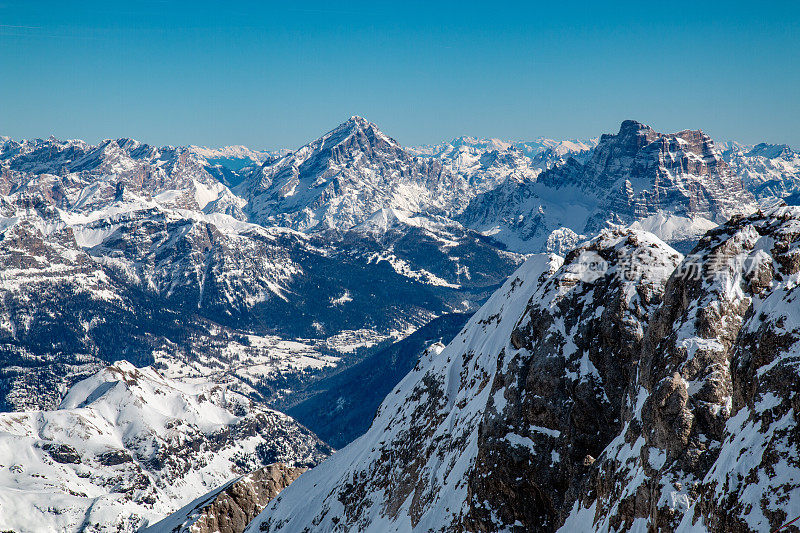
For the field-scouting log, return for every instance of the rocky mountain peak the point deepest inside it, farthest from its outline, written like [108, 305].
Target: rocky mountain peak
[639, 172]
[634, 136]
[338, 180]
[632, 133]
[231, 507]
[358, 128]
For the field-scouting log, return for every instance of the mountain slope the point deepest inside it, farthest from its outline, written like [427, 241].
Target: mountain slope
[628, 390]
[339, 408]
[127, 446]
[391, 477]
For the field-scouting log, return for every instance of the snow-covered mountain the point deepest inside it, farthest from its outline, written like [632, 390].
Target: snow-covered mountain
[151, 243]
[355, 170]
[637, 175]
[767, 170]
[207, 296]
[542, 152]
[245, 155]
[127, 446]
[342, 178]
[710, 435]
[629, 388]
[284, 275]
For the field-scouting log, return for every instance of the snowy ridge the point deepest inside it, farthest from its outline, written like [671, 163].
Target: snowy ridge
[768, 170]
[629, 389]
[539, 150]
[434, 441]
[234, 152]
[81, 177]
[128, 446]
[633, 175]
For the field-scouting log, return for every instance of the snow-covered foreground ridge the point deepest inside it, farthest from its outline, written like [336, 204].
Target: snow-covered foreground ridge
[127, 447]
[660, 394]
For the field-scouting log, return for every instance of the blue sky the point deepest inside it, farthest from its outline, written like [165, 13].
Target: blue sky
[271, 75]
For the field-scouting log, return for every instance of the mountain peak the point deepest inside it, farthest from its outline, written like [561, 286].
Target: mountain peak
[355, 126]
[634, 127]
[632, 135]
[356, 119]
[356, 123]
[770, 151]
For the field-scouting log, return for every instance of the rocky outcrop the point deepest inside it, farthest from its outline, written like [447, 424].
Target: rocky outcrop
[233, 506]
[710, 435]
[557, 398]
[631, 389]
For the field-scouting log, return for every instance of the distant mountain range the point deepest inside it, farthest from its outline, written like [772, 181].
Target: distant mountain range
[288, 276]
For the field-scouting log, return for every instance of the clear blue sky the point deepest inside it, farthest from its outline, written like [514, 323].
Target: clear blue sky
[273, 75]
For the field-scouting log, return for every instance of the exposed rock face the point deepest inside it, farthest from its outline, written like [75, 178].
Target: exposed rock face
[710, 433]
[557, 398]
[233, 506]
[642, 171]
[633, 175]
[648, 393]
